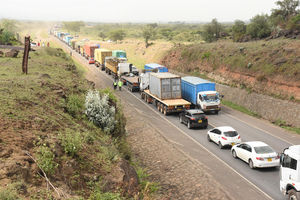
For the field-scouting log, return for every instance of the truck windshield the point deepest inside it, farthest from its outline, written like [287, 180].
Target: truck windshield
[263, 149]
[210, 98]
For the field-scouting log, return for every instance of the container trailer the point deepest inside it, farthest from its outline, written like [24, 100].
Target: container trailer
[201, 93]
[119, 54]
[165, 93]
[100, 55]
[89, 50]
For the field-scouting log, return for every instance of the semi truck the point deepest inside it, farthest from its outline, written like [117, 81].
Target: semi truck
[127, 68]
[154, 67]
[165, 93]
[89, 50]
[100, 55]
[290, 172]
[111, 65]
[201, 93]
[132, 82]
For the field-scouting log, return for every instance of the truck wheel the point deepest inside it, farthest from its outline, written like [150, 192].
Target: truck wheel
[142, 96]
[158, 106]
[217, 112]
[189, 125]
[165, 110]
[292, 194]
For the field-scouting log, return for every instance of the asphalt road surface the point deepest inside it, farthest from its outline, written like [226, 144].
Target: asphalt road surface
[235, 175]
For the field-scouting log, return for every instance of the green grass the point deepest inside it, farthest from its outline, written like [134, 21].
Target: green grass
[284, 125]
[240, 108]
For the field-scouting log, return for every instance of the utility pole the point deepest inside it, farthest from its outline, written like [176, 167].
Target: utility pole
[26, 54]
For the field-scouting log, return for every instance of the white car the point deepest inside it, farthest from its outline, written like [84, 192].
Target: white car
[256, 154]
[224, 136]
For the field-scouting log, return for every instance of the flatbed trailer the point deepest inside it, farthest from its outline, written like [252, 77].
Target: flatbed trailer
[165, 106]
[131, 82]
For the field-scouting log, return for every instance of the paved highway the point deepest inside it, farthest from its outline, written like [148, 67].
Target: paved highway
[238, 179]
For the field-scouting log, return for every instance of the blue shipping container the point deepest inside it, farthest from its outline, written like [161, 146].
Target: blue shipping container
[152, 66]
[191, 86]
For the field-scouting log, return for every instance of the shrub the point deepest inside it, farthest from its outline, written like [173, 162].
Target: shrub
[99, 111]
[71, 141]
[259, 27]
[8, 194]
[98, 195]
[45, 160]
[75, 105]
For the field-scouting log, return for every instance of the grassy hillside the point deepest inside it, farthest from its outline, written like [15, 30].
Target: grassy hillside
[44, 133]
[254, 65]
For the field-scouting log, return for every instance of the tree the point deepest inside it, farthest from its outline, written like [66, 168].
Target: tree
[212, 31]
[259, 27]
[149, 33]
[9, 25]
[6, 37]
[167, 33]
[73, 26]
[102, 35]
[117, 35]
[238, 30]
[287, 9]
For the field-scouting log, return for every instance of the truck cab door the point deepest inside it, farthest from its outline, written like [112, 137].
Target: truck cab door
[289, 169]
[200, 101]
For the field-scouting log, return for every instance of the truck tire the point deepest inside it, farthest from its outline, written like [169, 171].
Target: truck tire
[165, 110]
[292, 194]
[158, 106]
[217, 112]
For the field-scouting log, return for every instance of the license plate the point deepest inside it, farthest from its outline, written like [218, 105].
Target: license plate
[200, 121]
[179, 109]
[269, 159]
[232, 144]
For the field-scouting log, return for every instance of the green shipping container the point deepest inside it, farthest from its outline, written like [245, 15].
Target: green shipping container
[119, 54]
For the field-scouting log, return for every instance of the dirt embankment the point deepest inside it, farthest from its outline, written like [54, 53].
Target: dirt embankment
[267, 67]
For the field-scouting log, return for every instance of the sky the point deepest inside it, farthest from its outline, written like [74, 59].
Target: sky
[134, 10]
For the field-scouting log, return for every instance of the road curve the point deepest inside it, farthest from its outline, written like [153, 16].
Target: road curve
[238, 179]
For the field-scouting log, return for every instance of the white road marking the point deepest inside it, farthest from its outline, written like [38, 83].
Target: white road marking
[191, 138]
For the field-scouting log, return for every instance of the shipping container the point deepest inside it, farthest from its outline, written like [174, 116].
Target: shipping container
[165, 85]
[191, 86]
[100, 55]
[89, 50]
[119, 54]
[153, 66]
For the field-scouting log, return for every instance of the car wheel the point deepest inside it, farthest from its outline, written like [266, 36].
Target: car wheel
[180, 119]
[251, 164]
[220, 145]
[292, 194]
[189, 125]
[234, 154]
[208, 138]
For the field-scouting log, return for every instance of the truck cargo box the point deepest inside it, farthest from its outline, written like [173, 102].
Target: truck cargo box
[89, 50]
[165, 85]
[119, 54]
[191, 86]
[100, 55]
[152, 66]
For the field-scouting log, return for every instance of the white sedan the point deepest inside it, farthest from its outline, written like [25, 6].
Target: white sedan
[224, 136]
[256, 154]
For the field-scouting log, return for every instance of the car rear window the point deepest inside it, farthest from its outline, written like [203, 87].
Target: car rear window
[263, 149]
[198, 115]
[230, 133]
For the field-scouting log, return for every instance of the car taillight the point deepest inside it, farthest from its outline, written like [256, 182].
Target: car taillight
[259, 158]
[224, 138]
[277, 157]
[192, 118]
[239, 137]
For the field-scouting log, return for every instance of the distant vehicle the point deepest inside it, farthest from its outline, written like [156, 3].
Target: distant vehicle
[201, 93]
[131, 81]
[91, 61]
[33, 44]
[100, 55]
[193, 118]
[155, 67]
[290, 172]
[127, 68]
[224, 136]
[256, 154]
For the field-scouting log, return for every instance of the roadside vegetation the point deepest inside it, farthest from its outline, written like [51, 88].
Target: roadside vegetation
[8, 32]
[50, 146]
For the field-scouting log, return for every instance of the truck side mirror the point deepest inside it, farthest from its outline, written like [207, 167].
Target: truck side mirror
[281, 158]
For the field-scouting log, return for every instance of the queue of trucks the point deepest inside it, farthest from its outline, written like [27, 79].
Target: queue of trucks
[170, 93]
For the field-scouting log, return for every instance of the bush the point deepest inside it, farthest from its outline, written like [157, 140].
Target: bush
[259, 27]
[45, 160]
[8, 194]
[75, 104]
[294, 23]
[71, 141]
[98, 195]
[99, 111]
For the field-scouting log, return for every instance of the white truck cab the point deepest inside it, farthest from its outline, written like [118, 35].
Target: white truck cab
[290, 172]
[144, 79]
[209, 101]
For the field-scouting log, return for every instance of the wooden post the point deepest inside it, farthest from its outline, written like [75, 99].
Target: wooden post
[26, 54]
